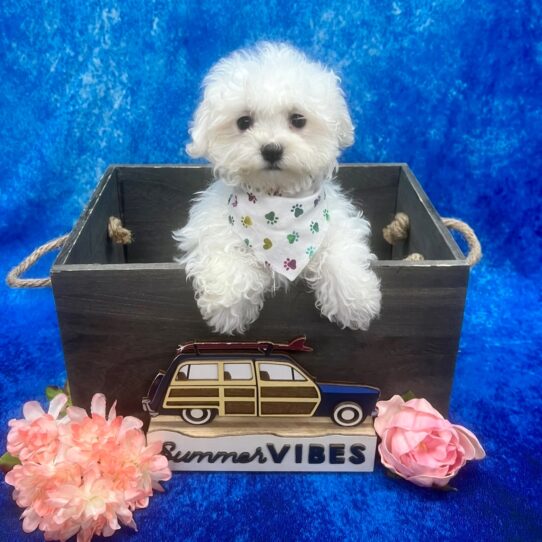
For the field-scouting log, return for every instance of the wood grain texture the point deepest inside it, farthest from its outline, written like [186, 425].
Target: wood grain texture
[288, 391]
[193, 392]
[427, 236]
[223, 426]
[89, 241]
[373, 188]
[156, 200]
[240, 407]
[239, 392]
[119, 327]
[276, 408]
[121, 322]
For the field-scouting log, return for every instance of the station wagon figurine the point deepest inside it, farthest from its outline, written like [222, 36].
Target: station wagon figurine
[251, 379]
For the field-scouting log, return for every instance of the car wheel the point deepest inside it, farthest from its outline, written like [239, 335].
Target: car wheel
[197, 416]
[347, 414]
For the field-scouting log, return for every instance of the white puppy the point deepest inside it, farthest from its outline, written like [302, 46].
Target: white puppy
[272, 123]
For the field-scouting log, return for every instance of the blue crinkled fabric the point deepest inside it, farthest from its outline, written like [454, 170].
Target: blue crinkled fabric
[451, 87]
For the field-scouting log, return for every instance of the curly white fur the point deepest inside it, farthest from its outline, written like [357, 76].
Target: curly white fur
[269, 84]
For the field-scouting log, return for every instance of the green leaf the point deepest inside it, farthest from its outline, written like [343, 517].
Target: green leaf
[67, 392]
[447, 488]
[52, 391]
[408, 395]
[7, 462]
[393, 475]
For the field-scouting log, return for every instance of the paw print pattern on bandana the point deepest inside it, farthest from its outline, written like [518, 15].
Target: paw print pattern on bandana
[283, 230]
[289, 264]
[297, 209]
[271, 218]
[292, 237]
[232, 200]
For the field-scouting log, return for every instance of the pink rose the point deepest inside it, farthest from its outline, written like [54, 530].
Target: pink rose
[421, 446]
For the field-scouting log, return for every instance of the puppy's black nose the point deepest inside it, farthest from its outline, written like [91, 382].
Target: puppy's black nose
[272, 152]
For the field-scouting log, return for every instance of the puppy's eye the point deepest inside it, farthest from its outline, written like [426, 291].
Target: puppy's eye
[244, 123]
[297, 120]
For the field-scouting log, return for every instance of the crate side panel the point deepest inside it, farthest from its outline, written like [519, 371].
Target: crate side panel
[120, 327]
[412, 346]
[92, 244]
[156, 201]
[373, 189]
[414, 343]
[424, 236]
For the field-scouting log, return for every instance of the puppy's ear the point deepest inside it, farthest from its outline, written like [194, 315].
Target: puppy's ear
[345, 128]
[199, 131]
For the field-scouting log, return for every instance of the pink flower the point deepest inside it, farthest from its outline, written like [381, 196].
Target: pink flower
[136, 467]
[81, 475]
[94, 504]
[421, 446]
[33, 481]
[35, 437]
[91, 437]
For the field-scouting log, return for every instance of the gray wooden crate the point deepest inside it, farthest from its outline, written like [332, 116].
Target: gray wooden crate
[123, 310]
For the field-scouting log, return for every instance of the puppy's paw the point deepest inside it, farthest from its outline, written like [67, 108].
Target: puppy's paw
[231, 301]
[350, 303]
[229, 320]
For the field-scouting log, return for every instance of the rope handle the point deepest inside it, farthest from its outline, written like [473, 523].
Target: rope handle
[394, 232]
[117, 233]
[475, 248]
[398, 229]
[14, 279]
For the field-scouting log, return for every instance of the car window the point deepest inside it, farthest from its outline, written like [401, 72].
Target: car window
[237, 371]
[198, 371]
[183, 373]
[279, 371]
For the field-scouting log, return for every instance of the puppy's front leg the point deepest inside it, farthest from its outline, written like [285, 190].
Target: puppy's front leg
[229, 282]
[347, 290]
[230, 287]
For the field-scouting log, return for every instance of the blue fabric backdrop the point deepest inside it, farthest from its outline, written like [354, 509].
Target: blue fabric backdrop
[451, 87]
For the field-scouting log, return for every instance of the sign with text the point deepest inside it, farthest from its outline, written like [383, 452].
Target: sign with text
[265, 445]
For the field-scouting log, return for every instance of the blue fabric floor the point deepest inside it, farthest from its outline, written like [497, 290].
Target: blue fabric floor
[452, 88]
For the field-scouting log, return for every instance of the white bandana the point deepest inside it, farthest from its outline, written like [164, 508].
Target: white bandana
[284, 232]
